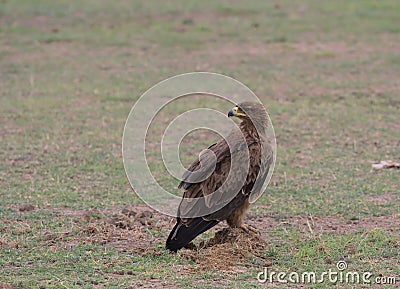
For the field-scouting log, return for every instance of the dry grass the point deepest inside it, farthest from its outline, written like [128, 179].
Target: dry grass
[229, 248]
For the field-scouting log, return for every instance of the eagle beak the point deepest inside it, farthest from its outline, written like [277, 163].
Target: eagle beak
[235, 112]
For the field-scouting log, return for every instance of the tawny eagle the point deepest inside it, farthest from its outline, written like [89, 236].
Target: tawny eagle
[247, 145]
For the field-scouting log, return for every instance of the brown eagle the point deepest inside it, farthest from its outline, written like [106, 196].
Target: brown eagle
[226, 177]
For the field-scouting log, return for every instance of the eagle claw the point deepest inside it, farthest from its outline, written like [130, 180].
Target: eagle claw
[248, 229]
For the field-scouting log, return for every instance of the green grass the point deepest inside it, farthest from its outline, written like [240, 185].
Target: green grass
[71, 71]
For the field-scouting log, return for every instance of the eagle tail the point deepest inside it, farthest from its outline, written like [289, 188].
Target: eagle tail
[181, 235]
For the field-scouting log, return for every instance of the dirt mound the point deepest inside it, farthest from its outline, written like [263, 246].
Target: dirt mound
[229, 248]
[134, 229]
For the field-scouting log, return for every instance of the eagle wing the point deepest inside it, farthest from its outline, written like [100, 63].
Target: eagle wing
[207, 181]
[252, 187]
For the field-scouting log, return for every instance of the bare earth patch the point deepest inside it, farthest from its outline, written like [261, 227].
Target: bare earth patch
[234, 50]
[381, 199]
[133, 229]
[325, 224]
[228, 248]
[36, 21]
[139, 230]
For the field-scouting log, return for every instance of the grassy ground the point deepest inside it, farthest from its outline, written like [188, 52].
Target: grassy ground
[70, 72]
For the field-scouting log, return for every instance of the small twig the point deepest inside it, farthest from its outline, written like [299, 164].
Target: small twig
[309, 227]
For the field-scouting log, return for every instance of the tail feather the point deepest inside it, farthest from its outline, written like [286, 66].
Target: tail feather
[181, 235]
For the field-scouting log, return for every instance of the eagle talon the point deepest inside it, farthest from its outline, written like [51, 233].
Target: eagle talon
[248, 229]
